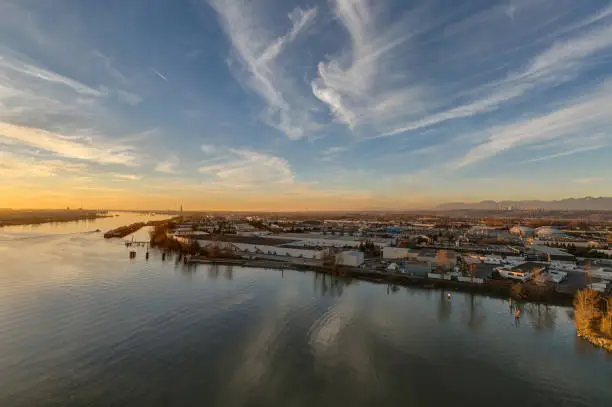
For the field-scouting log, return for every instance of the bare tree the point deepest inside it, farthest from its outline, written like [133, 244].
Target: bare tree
[517, 291]
[606, 320]
[586, 311]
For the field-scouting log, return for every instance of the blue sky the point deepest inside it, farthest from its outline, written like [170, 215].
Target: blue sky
[272, 104]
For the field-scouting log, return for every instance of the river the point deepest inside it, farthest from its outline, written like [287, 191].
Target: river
[82, 324]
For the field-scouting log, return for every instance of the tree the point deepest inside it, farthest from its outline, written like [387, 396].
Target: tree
[606, 320]
[585, 309]
[213, 251]
[194, 247]
[517, 291]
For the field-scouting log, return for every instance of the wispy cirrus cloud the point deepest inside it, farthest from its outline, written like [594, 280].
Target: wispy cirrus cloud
[125, 177]
[589, 113]
[159, 74]
[561, 62]
[208, 148]
[364, 84]
[243, 168]
[36, 72]
[76, 147]
[168, 166]
[588, 180]
[17, 166]
[564, 153]
[332, 152]
[129, 98]
[258, 50]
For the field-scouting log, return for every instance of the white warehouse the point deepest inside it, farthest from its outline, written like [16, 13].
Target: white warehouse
[319, 240]
[349, 258]
[257, 245]
[399, 253]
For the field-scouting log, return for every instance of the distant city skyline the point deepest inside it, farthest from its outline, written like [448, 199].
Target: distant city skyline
[303, 105]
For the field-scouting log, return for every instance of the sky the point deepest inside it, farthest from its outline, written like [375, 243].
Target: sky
[303, 105]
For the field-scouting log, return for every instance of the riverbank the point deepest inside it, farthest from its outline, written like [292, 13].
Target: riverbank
[377, 277]
[596, 339]
[37, 217]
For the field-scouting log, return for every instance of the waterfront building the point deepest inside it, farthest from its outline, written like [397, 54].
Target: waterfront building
[255, 245]
[350, 258]
[320, 240]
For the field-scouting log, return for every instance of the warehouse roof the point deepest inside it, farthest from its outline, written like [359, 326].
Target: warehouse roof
[267, 241]
[553, 251]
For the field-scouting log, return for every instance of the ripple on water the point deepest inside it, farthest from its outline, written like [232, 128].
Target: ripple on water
[80, 324]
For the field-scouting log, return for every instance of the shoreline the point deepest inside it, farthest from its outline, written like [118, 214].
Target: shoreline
[491, 290]
[39, 221]
[596, 339]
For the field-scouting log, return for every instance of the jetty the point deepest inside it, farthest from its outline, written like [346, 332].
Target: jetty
[123, 231]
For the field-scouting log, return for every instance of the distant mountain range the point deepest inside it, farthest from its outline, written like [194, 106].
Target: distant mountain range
[570, 204]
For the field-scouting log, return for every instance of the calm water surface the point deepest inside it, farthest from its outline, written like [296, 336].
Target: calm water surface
[81, 324]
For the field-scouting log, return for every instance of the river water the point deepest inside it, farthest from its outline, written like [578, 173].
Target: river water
[82, 324]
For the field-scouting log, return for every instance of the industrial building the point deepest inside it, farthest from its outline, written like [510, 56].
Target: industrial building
[350, 258]
[320, 240]
[522, 231]
[443, 258]
[399, 253]
[523, 272]
[552, 254]
[256, 245]
[548, 232]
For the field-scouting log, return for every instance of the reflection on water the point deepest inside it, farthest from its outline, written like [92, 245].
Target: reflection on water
[82, 324]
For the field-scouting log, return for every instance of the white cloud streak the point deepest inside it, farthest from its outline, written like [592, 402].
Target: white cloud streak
[590, 114]
[129, 98]
[258, 52]
[360, 87]
[250, 169]
[169, 166]
[126, 177]
[564, 153]
[208, 149]
[560, 63]
[77, 147]
[331, 153]
[49, 76]
[588, 180]
[159, 74]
